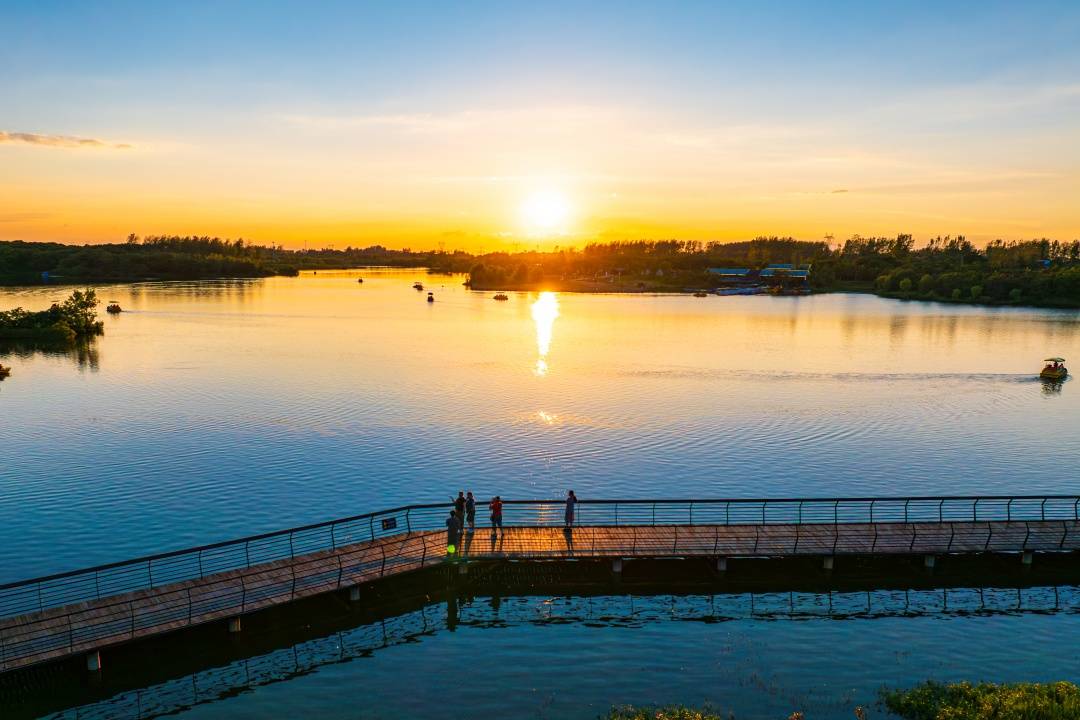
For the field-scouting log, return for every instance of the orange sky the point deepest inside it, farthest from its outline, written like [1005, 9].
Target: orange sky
[434, 138]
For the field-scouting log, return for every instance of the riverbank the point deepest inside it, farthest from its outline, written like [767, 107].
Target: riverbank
[929, 701]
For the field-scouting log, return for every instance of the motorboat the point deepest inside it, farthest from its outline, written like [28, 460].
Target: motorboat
[1055, 369]
[4, 372]
[418, 285]
[113, 307]
[431, 297]
[501, 296]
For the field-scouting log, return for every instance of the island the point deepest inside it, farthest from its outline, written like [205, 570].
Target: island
[65, 323]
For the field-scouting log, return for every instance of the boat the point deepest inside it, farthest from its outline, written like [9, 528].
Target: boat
[359, 280]
[701, 293]
[1055, 369]
[431, 297]
[113, 307]
[4, 372]
[501, 296]
[418, 285]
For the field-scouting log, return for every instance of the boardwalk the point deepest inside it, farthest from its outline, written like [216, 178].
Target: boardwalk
[74, 615]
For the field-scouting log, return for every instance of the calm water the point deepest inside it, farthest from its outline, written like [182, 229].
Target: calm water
[571, 658]
[216, 409]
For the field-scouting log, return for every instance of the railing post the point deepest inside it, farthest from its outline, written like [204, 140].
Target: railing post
[382, 570]
[292, 552]
[940, 516]
[1042, 510]
[800, 513]
[871, 512]
[691, 513]
[654, 514]
[201, 576]
[835, 512]
[41, 604]
[97, 586]
[371, 526]
[333, 540]
[906, 511]
[408, 522]
[247, 554]
[727, 513]
[1008, 510]
[975, 510]
[763, 504]
[616, 514]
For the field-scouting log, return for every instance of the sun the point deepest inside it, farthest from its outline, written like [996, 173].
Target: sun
[545, 212]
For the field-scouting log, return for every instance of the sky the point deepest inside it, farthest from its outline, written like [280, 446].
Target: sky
[504, 125]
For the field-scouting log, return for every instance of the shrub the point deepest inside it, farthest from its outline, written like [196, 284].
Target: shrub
[964, 701]
[1015, 294]
[956, 294]
[926, 284]
[905, 285]
[976, 292]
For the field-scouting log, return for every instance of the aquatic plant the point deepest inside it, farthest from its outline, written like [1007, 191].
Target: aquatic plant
[985, 701]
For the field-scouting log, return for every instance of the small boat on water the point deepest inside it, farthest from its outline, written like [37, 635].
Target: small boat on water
[701, 293]
[4, 372]
[1055, 369]
[500, 296]
[113, 307]
[359, 280]
[431, 297]
[418, 285]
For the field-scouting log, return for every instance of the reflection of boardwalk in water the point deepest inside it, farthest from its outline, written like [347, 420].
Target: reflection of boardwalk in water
[213, 684]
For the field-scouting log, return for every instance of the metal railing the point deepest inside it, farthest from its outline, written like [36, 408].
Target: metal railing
[154, 571]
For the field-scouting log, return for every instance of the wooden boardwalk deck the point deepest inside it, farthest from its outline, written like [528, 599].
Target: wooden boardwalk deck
[82, 627]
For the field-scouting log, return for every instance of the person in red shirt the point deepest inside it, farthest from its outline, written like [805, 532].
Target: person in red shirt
[496, 506]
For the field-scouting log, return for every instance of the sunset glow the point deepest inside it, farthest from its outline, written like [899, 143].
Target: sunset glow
[335, 127]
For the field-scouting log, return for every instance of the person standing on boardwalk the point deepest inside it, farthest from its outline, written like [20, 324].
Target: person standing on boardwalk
[459, 508]
[496, 514]
[452, 530]
[571, 502]
[470, 511]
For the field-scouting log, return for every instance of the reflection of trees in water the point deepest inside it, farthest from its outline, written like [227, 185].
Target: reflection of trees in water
[85, 354]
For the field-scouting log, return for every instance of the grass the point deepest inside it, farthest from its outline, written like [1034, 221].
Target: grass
[986, 701]
[678, 712]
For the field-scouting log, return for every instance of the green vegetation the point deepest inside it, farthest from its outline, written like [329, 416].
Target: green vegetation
[190, 258]
[68, 322]
[1036, 272]
[986, 701]
[669, 713]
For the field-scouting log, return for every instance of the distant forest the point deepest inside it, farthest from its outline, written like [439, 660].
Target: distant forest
[173, 257]
[1031, 272]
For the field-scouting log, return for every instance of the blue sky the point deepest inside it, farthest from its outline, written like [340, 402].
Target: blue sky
[976, 86]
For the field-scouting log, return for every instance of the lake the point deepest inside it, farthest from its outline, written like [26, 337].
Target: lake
[211, 410]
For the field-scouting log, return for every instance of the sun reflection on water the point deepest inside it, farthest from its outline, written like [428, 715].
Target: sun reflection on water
[544, 312]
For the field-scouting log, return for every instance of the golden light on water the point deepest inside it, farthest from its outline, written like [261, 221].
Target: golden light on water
[544, 312]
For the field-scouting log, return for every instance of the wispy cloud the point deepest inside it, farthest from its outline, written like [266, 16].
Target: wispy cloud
[60, 141]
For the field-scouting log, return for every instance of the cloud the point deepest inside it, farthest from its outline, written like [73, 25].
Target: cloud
[61, 141]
